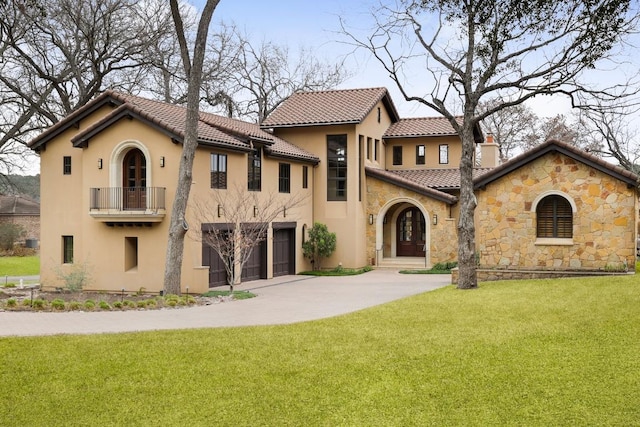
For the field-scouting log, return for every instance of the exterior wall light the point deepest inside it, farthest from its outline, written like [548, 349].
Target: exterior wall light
[162, 161]
[99, 163]
[370, 219]
[255, 211]
[219, 210]
[435, 219]
[284, 211]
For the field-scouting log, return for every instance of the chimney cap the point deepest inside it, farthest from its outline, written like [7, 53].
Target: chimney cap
[489, 138]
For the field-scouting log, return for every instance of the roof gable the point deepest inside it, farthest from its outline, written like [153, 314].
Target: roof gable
[331, 107]
[555, 146]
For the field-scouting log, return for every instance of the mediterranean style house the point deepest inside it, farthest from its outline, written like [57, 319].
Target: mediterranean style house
[387, 186]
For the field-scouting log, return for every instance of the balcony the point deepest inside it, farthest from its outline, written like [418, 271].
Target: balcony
[127, 205]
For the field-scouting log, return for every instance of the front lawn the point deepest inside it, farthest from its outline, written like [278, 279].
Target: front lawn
[563, 352]
[19, 266]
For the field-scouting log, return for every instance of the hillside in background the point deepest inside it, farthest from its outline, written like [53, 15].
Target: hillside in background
[26, 185]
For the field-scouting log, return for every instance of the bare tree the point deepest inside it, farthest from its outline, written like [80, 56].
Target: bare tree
[512, 128]
[268, 73]
[247, 215]
[476, 49]
[193, 70]
[57, 55]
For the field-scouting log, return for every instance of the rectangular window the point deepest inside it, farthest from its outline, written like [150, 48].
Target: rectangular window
[284, 178]
[66, 165]
[130, 253]
[420, 155]
[444, 154]
[305, 177]
[218, 171]
[67, 249]
[337, 167]
[397, 155]
[255, 167]
[376, 147]
[369, 142]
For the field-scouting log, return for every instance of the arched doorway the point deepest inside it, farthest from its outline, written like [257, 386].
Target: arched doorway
[134, 180]
[410, 233]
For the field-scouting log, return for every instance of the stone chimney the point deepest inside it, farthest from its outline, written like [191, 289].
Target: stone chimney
[489, 153]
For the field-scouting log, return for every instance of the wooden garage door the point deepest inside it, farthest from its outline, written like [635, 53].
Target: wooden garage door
[217, 272]
[283, 252]
[256, 266]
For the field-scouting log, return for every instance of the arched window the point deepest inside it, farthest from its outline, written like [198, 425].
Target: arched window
[554, 218]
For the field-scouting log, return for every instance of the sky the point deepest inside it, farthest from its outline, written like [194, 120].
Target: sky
[316, 25]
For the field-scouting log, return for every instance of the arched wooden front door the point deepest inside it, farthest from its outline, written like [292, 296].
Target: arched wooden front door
[410, 233]
[134, 180]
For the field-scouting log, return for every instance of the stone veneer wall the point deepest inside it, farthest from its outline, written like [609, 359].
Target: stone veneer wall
[604, 226]
[443, 242]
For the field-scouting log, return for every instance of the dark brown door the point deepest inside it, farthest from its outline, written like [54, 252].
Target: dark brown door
[256, 266]
[283, 252]
[410, 233]
[134, 180]
[217, 271]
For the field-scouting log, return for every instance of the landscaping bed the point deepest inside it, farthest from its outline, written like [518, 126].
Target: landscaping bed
[31, 298]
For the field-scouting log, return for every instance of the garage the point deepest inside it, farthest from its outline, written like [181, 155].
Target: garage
[217, 272]
[256, 266]
[284, 250]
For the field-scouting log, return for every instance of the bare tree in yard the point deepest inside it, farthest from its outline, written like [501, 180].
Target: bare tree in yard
[57, 55]
[470, 50]
[512, 128]
[193, 70]
[247, 216]
[268, 73]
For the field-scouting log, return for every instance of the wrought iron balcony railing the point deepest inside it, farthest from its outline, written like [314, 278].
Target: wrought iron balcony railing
[128, 199]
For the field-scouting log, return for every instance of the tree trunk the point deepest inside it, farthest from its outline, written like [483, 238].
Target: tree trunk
[467, 278]
[178, 226]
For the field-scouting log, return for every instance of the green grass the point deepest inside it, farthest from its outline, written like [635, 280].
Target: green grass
[236, 294]
[423, 271]
[527, 353]
[20, 266]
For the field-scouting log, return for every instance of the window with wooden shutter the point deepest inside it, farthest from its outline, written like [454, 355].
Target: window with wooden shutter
[554, 218]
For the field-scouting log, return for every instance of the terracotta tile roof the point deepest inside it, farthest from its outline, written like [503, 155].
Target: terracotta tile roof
[329, 107]
[441, 179]
[561, 147]
[18, 205]
[421, 126]
[212, 129]
[401, 181]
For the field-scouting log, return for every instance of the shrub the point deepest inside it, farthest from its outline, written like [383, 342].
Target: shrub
[89, 304]
[58, 304]
[172, 303]
[26, 302]
[39, 304]
[75, 276]
[104, 305]
[118, 305]
[445, 266]
[75, 305]
[320, 244]
[9, 233]
[151, 303]
[12, 302]
[141, 304]
[128, 303]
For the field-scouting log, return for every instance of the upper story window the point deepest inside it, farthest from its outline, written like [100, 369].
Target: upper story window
[218, 171]
[554, 217]
[337, 167]
[444, 154]
[305, 176]
[397, 155]
[66, 165]
[420, 154]
[255, 168]
[284, 178]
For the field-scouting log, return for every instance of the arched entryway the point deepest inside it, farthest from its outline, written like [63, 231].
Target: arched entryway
[410, 233]
[134, 180]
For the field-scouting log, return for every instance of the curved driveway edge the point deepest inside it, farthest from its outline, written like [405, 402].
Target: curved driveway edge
[287, 299]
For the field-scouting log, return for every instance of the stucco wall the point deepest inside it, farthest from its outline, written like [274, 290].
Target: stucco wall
[382, 197]
[604, 222]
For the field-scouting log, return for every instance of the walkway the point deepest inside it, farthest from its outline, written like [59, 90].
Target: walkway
[287, 299]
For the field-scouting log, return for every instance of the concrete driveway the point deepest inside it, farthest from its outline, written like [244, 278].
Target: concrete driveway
[287, 299]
